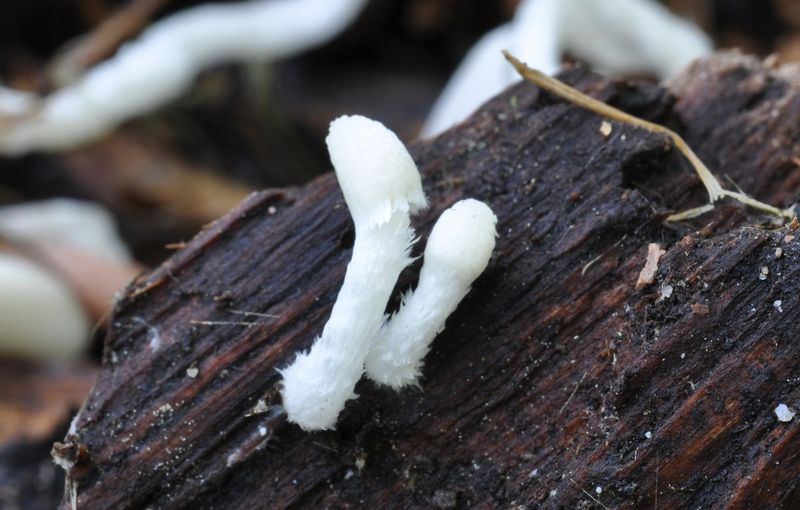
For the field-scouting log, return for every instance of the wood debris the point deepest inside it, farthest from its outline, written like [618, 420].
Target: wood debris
[648, 273]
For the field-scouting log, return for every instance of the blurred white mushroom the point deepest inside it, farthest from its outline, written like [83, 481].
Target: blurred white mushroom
[631, 36]
[615, 37]
[40, 317]
[14, 103]
[163, 62]
[532, 36]
[63, 265]
[64, 221]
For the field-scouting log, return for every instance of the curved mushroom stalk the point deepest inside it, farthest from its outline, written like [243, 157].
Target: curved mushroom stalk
[163, 62]
[458, 251]
[381, 186]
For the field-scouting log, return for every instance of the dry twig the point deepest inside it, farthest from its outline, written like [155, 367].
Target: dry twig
[712, 185]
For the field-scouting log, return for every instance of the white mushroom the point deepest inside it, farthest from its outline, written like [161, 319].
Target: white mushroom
[39, 315]
[64, 221]
[14, 103]
[619, 37]
[164, 61]
[631, 36]
[457, 252]
[79, 263]
[381, 186]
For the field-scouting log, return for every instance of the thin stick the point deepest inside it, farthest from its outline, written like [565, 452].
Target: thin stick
[571, 394]
[712, 185]
[255, 314]
[222, 323]
[588, 494]
[655, 505]
[694, 212]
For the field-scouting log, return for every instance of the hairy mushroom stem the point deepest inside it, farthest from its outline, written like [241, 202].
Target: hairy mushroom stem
[381, 186]
[457, 252]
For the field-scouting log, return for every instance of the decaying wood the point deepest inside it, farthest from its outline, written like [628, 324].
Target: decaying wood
[648, 273]
[713, 187]
[556, 384]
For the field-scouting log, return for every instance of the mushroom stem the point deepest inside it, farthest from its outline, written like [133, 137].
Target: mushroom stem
[458, 251]
[381, 186]
[317, 384]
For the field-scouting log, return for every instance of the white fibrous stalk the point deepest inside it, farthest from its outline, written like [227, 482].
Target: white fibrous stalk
[616, 37]
[163, 62]
[382, 187]
[457, 252]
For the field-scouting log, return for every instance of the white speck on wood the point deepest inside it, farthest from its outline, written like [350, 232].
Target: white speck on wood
[783, 413]
[665, 292]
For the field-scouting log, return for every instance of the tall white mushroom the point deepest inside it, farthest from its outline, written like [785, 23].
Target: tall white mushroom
[381, 186]
[457, 252]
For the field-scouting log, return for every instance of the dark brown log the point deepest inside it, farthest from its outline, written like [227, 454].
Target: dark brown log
[556, 383]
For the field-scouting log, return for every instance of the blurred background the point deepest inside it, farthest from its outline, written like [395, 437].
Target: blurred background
[78, 223]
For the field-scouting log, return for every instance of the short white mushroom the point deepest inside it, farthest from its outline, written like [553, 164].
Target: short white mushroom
[163, 62]
[381, 186]
[457, 252]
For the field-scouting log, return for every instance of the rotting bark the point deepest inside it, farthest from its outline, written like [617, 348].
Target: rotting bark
[553, 378]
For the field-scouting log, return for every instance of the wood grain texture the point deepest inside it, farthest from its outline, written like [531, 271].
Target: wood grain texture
[553, 378]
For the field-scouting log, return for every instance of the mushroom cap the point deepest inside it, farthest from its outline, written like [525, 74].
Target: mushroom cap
[39, 315]
[462, 239]
[375, 171]
[64, 221]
